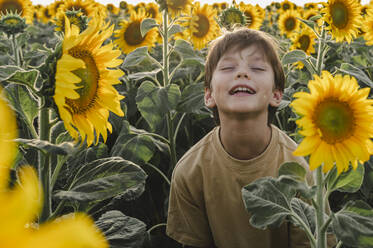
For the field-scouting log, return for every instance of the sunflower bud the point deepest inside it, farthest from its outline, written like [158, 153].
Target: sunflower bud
[76, 17]
[231, 17]
[12, 23]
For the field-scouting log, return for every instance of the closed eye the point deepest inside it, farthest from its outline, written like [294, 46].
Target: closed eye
[258, 69]
[227, 68]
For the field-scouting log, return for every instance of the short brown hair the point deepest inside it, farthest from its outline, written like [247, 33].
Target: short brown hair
[242, 38]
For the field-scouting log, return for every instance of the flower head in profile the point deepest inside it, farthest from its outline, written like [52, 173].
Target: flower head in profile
[253, 14]
[367, 26]
[84, 91]
[336, 122]
[178, 7]
[22, 7]
[344, 19]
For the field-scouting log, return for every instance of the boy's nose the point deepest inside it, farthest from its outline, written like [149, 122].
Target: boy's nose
[242, 75]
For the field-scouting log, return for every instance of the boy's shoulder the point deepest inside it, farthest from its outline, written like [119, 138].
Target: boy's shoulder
[191, 162]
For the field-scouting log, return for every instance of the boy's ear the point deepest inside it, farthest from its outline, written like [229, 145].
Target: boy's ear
[276, 98]
[209, 99]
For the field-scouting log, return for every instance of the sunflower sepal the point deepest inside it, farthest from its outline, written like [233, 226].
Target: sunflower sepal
[12, 23]
[348, 181]
[146, 25]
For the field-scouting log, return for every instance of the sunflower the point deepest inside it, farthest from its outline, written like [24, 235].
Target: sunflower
[344, 19]
[84, 92]
[367, 27]
[254, 18]
[286, 5]
[53, 7]
[288, 22]
[8, 132]
[22, 7]
[44, 14]
[202, 27]
[305, 41]
[152, 11]
[75, 18]
[129, 36]
[177, 7]
[112, 9]
[87, 7]
[336, 122]
[231, 17]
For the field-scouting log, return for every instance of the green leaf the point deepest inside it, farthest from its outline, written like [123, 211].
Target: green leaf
[146, 25]
[23, 103]
[122, 231]
[7, 71]
[309, 23]
[47, 147]
[27, 78]
[105, 178]
[306, 212]
[155, 102]
[354, 225]
[136, 57]
[349, 181]
[186, 52]
[176, 28]
[192, 99]
[357, 73]
[268, 201]
[293, 169]
[294, 56]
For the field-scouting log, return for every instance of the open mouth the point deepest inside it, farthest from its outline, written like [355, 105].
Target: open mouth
[242, 90]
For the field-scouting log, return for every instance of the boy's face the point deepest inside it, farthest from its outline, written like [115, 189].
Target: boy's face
[243, 83]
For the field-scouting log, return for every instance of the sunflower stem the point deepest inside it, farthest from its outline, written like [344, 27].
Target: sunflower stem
[170, 126]
[15, 50]
[320, 231]
[320, 57]
[44, 163]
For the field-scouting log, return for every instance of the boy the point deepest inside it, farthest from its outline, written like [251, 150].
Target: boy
[244, 83]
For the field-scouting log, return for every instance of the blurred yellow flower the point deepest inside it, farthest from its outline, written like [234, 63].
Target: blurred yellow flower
[20, 205]
[254, 17]
[84, 92]
[178, 7]
[22, 7]
[367, 26]
[202, 27]
[288, 22]
[344, 19]
[336, 120]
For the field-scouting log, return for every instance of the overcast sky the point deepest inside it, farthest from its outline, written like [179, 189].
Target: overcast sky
[262, 3]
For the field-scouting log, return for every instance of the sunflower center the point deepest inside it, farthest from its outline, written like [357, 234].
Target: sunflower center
[152, 12]
[89, 84]
[339, 14]
[13, 6]
[12, 21]
[304, 42]
[132, 35]
[78, 7]
[335, 120]
[286, 6]
[203, 26]
[290, 23]
[234, 17]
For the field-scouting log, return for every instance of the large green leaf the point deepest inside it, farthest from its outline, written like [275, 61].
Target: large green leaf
[192, 99]
[294, 56]
[354, 225]
[349, 181]
[293, 169]
[306, 212]
[146, 25]
[268, 201]
[155, 102]
[136, 57]
[357, 73]
[24, 104]
[122, 231]
[47, 147]
[187, 53]
[6, 71]
[105, 178]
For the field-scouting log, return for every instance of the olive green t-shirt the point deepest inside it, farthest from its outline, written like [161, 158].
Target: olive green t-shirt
[206, 206]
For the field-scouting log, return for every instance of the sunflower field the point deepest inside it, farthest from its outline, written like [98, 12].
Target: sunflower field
[98, 103]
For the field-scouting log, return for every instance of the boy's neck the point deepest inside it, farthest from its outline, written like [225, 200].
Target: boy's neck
[245, 139]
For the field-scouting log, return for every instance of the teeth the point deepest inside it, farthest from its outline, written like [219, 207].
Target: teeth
[243, 89]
